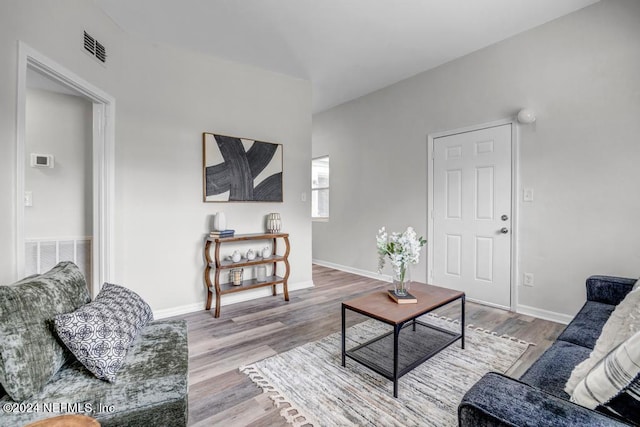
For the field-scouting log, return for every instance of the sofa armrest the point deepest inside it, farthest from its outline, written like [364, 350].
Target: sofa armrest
[608, 289]
[500, 401]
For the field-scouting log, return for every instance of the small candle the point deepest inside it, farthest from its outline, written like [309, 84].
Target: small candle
[236, 276]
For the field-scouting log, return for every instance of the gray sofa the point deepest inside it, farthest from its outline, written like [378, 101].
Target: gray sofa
[150, 389]
[538, 398]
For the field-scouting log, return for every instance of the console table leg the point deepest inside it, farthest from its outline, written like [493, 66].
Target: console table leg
[208, 306]
[217, 312]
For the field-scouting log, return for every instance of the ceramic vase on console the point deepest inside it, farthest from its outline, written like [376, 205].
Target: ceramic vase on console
[274, 223]
[402, 280]
[220, 222]
[266, 252]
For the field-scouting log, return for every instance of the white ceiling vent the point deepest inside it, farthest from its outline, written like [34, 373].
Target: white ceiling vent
[95, 48]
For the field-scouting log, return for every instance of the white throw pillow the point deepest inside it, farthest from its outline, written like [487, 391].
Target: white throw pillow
[623, 322]
[613, 382]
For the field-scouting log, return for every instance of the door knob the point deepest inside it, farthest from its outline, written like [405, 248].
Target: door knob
[504, 230]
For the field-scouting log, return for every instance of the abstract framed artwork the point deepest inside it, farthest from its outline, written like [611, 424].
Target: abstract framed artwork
[241, 170]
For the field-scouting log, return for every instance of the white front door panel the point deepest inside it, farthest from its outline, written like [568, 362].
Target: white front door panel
[472, 214]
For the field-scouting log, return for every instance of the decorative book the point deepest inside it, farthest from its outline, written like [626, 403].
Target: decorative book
[223, 233]
[402, 299]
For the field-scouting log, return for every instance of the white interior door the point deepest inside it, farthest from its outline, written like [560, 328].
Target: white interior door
[472, 214]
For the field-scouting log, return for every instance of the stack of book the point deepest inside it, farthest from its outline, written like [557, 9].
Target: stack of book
[222, 233]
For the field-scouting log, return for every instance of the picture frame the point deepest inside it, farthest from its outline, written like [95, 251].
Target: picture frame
[241, 169]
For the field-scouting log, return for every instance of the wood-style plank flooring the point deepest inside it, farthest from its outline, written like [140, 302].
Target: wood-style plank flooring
[250, 331]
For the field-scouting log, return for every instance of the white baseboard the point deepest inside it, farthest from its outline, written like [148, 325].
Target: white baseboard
[227, 300]
[359, 272]
[523, 309]
[544, 314]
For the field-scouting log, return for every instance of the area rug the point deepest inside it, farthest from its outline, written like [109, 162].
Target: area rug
[312, 388]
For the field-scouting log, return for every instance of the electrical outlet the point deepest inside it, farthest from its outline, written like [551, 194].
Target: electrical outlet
[303, 197]
[528, 279]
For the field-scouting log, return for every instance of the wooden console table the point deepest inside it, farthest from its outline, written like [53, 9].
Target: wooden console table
[218, 265]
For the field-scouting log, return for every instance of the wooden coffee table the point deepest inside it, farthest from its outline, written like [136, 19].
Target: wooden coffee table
[393, 354]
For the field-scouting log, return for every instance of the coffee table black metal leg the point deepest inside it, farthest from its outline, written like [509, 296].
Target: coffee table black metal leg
[462, 324]
[344, 339]
[396, 336]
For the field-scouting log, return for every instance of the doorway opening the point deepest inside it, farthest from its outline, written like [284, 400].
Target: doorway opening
[75, 216]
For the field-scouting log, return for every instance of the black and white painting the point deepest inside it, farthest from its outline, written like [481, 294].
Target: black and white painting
[241, 170]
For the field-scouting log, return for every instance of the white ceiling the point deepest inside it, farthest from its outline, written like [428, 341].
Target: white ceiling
[346, 48]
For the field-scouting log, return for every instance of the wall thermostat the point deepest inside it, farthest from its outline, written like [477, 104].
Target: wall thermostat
[41, 160]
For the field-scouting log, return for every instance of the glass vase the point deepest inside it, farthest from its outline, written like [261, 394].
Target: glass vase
[402, 280]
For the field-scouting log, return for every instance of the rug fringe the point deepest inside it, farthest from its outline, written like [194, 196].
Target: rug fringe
[486, 331]
[292, 414]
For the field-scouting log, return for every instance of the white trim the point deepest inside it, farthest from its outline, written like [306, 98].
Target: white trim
[544, 314]
[359, 272]
[103, 167]
[514, 193]
[522, 309]
[227, 300]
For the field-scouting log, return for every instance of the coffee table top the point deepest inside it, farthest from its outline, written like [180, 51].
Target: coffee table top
[379, 306]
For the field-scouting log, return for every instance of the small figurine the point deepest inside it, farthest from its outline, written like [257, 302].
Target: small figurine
[236, 257]
[266, 252]
[251, 254]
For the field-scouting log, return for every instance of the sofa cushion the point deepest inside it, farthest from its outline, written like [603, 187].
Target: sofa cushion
[100, 333]
[623, 323]
[499, 401]
[30, 353]
[551, 371]
[586, 327]
[614, 382]
[151, 388]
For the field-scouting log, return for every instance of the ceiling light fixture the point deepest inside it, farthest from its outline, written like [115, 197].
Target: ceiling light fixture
[526, 116]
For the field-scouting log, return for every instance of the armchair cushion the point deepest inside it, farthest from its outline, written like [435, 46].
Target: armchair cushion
[30, 353]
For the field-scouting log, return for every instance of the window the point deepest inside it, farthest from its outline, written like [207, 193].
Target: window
[320, 188]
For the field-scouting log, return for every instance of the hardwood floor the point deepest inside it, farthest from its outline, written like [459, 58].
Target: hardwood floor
[253, 330]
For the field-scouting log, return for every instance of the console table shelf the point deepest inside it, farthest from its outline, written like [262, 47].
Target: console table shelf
[218, 265]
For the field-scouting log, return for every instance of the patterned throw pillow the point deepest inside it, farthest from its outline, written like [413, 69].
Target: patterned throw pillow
[100, 333]
[613, 385]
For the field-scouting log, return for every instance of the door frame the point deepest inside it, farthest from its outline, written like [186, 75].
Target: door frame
[103, 144]
[515, 185]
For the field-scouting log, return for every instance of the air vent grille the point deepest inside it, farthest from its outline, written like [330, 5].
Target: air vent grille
[95, 48]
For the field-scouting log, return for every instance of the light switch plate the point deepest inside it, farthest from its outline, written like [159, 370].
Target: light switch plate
[528, 195]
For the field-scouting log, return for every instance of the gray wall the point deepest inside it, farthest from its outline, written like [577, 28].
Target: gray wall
[581, 74]
[165, 99]
[61, 125]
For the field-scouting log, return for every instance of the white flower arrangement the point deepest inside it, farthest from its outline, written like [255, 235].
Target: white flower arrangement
[401, 248]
